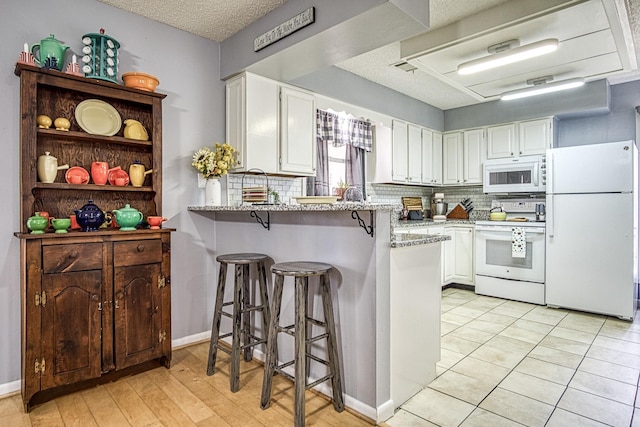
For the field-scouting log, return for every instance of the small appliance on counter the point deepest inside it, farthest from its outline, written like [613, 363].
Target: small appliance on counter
[438, 207]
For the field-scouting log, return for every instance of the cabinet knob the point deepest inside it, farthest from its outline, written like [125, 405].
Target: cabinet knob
[140, 248]
[95, 298]
[73, 254]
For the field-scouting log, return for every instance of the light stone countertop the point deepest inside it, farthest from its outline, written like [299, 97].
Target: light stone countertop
[403, 240]
[307, 207]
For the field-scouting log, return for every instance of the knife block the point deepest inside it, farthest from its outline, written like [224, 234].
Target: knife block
[458, 213]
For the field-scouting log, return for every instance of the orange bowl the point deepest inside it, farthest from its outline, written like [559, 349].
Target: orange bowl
[140, 81]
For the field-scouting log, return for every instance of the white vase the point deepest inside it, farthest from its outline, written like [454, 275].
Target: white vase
[212, 192]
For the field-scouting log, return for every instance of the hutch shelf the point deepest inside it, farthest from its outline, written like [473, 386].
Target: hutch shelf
[95, 305]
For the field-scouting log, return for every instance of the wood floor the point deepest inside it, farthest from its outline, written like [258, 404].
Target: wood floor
[181, 396]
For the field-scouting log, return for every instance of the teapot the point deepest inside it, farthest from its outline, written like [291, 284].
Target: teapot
[127, 217]
[89, 217]
[48, 167]
[137, 173]
[49, 53]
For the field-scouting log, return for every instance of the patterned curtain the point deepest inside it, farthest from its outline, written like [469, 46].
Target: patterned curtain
[338, 130]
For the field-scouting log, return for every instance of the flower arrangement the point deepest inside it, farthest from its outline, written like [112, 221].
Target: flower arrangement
[214, 163]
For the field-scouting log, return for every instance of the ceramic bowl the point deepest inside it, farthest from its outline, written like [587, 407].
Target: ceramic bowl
[61, 224]
[140, 81]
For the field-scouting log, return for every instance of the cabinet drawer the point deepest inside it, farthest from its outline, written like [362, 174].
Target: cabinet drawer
[137, 252]
[75, 257]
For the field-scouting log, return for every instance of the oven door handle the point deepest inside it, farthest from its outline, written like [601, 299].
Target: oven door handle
[502, 229]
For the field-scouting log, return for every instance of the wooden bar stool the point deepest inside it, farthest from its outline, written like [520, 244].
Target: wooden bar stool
[242, 338]
[301, 271]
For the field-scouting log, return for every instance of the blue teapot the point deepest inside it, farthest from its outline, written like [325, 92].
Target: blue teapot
[90, 217]
[49, 53]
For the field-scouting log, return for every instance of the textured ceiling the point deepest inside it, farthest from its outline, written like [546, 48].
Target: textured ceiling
[211, 19]
[219, 19]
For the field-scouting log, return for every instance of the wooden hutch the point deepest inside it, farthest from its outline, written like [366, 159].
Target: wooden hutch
[95, 305]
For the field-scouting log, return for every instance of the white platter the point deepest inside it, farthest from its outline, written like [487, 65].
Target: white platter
[98, 118]
[316, 199]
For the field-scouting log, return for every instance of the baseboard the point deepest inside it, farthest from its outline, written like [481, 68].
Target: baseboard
[8, 389]
[471, 288]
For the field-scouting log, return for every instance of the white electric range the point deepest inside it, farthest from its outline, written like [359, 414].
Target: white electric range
[510, 254]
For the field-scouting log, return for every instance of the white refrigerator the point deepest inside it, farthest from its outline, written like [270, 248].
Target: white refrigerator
[592, 228]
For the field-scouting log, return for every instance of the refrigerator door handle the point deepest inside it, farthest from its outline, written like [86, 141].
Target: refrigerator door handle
[549, 207]
[550, 171]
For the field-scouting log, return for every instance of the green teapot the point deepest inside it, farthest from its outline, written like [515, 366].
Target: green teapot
[49, 53]
[127, 217]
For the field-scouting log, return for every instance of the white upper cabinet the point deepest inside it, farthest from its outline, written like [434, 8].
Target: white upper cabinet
[535, 136]
[406, 153]
[501, 141]
[519, 139]
[431, 157]
[272, 134]
[462, 156]
[298, 132]
[475, 153]
[452, 159]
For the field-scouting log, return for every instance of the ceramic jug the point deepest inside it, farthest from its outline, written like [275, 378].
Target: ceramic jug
[133, 129]
[48, 167]
[100, 172]
[137, 174]
[128, 217]
[49, 53]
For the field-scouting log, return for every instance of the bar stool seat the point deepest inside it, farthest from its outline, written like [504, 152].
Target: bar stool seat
[242, 336]
[302, 271]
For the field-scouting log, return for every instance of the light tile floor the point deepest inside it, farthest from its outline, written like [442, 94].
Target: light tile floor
[508, 363]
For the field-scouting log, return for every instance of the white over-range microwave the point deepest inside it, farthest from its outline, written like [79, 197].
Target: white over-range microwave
[526, 174]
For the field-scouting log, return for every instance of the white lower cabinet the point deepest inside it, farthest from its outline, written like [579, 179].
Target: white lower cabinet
[458, 254]
[461, 254]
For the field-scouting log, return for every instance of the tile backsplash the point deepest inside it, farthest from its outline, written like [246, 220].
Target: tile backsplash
[288, 188]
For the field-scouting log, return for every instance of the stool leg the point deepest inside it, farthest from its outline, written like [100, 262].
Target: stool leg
[217, 314]
[264, 298]
[300, 384]
[272, 337]
[235, 344]
[246, 317]
[332, 347]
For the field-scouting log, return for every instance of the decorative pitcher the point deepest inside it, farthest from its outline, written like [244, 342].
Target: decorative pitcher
[48, 167]
[49, 53]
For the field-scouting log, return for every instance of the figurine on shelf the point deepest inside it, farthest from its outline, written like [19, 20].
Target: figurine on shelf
[26, 57]
[73, 67]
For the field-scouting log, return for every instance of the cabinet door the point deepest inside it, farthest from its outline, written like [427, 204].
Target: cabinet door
[137, 314]
[298, 132]
[452, 158]
[71, 323]
[449, 256]
[427, 157]
[463, 253]
[414, 158]
[535, 137]
[236, 119]
[474, 152]
[399, 152]
[501, 141]
[436, 158]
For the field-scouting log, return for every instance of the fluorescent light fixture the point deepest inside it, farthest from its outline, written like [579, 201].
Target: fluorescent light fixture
[507, 55]
[542, 88]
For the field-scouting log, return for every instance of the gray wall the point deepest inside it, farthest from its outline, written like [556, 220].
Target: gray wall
[193, 114]
[618, 125]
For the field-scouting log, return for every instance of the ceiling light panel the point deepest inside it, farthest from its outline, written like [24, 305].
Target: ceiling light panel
[509, 56]
[541, 89]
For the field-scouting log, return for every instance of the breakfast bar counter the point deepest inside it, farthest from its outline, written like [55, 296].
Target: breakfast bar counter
[383, 286]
